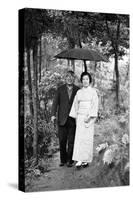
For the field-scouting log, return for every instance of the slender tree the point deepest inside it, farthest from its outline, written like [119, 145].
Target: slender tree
[30, 81]
[34, 86]
[116, 31]
[36, 22]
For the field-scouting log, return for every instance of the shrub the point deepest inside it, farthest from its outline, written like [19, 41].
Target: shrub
[115, 146]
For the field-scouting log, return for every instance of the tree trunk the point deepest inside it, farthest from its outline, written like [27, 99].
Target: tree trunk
[115, 45]
[34, 86]
[94, 73]
[116, 64]
[117, 80]
[30, 81]
[37, 61]
[73, 64]
[44, 49]
[68, 62]
[40, 59]
[80, 45]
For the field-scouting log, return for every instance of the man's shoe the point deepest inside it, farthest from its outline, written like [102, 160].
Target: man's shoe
[61, 164]
[69, 164]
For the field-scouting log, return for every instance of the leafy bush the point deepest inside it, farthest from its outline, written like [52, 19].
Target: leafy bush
[115, 146]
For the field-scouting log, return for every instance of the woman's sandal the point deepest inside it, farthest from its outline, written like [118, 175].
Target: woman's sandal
[78, 165]
[85, 164]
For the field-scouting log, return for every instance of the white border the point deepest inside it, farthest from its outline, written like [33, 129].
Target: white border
[9, 96]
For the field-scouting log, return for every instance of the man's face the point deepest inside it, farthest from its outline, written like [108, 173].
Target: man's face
[69, 79]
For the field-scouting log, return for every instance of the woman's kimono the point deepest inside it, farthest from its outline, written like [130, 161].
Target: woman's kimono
[85, 104]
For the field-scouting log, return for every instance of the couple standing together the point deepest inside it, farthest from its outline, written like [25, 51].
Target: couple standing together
[77, 111]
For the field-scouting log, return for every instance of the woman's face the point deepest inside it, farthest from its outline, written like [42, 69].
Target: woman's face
[85, 81]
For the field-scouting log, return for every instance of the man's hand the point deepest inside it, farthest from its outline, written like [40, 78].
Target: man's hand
[53, 119]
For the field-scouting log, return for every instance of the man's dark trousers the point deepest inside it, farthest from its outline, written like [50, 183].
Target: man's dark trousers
[66, 124]
[66, 140]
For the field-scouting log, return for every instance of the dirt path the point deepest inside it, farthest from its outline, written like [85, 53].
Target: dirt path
[63, 178]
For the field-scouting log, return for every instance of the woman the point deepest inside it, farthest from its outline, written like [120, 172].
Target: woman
[84, 110]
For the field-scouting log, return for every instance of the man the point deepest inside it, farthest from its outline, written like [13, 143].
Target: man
[66, 125]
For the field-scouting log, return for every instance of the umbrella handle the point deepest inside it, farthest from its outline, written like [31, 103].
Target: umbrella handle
[85, 66]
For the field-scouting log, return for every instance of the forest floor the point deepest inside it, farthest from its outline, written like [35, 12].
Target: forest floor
[64, 178]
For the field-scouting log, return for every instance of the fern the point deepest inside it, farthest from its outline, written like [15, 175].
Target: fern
[125, 139]
[101, 147]
[108, 156]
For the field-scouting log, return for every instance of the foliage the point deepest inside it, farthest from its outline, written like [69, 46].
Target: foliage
[67, 29]
[33, 171]
[115, 147]
[113, 29]
[47, 139]
[101, 147]
[46, 131]
[37, 21]
[50, 81]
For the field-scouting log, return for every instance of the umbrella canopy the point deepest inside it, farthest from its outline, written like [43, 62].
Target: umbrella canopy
[82, 54]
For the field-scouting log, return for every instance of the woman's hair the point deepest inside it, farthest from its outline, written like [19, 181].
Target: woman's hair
[85, 74]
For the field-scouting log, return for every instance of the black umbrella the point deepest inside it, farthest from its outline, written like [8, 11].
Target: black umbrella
[82, 54]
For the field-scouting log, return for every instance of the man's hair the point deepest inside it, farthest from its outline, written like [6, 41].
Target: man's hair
[85, 74]
[70, 72]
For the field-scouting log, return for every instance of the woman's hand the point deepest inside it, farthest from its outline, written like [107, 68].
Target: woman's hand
[87, 119]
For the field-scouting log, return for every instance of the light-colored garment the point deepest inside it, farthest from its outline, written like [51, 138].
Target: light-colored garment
[85, 104]
[69, 90]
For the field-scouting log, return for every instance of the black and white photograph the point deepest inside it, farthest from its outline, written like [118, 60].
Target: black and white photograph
[74, 70]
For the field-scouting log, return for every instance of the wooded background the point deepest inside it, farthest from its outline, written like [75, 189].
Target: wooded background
[47, 33]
